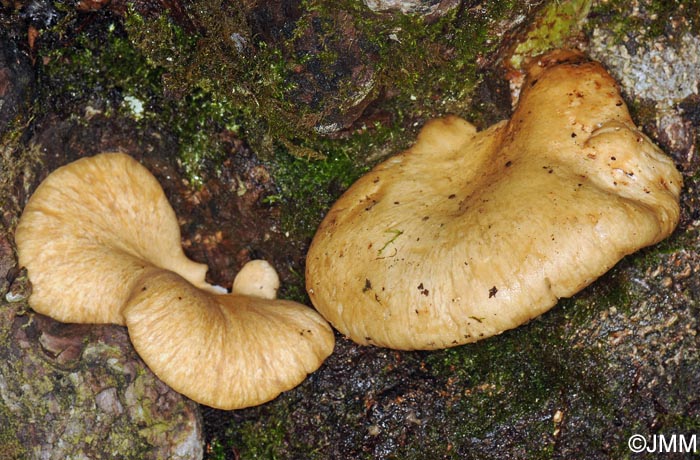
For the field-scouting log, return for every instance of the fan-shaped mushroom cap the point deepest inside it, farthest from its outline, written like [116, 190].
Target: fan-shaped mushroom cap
[227, 351]
[102, 245]
[87, 233]
[468, 233]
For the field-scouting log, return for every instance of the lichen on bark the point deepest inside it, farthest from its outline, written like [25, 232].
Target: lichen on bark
[80, 390]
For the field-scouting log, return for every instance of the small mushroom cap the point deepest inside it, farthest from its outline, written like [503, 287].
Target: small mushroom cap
[88, 232]
[468, 233]
[226, 351]
[257, 278]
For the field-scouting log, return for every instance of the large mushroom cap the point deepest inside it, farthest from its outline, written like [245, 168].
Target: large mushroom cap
[102, 245]
[227, 351]
[468, 233]
[89, 230]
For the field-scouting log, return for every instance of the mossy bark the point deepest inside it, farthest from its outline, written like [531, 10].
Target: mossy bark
[78, 391]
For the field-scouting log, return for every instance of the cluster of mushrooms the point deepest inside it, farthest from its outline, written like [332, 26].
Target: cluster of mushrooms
[463, 236]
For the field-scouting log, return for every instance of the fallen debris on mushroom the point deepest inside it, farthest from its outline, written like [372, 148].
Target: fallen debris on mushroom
[101, 244]
[468, 234]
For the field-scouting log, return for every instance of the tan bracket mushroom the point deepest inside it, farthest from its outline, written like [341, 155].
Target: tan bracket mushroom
[468, 234]
[102, 244]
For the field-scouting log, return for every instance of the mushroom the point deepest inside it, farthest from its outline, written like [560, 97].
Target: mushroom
[90, 230]
[101, 244]
[468, 234]
[225, 351]
[257, 278]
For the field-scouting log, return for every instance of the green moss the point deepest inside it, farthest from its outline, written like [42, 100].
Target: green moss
[307, 188]
[164, 43]
[613, 290]
[552, 27]
[221, 78]
[263, 438]
[10, 446]
[93, 67]
[521, 375]
[656, 18]
[528, 371]
[110, 75]
[219, 64]
[430, 68]
[433, 66]
[203, 118]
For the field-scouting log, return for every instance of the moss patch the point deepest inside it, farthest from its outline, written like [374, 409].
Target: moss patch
[10, 446]
[554, 25]
[260, 438]
[428, 67]
[112, 77]
[216, 80]
[651, 19]
[307, 188]
[517, 374]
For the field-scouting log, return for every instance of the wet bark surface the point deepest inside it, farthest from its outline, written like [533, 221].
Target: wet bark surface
[80, 391]
[620, 358]
[72, 390]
